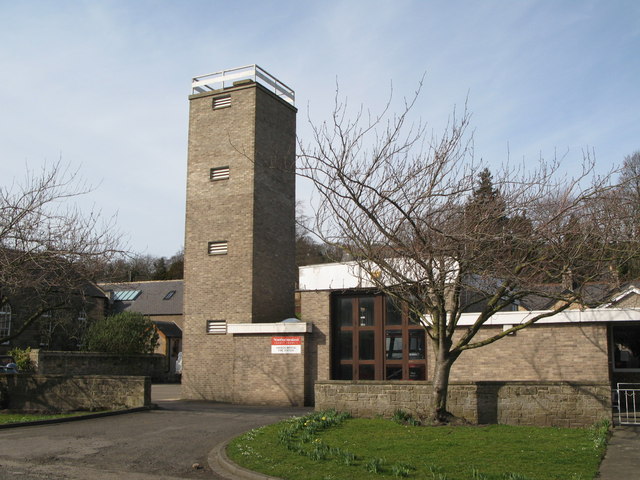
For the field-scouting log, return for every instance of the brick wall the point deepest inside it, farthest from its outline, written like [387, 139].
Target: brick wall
[263, 378]
[274, 264]
[561, 404]
[63, 393]
[254, 210]
[246, 372]
[550, 352]
[93, 363]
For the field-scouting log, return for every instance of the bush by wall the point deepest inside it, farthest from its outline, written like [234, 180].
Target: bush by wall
[126, 333]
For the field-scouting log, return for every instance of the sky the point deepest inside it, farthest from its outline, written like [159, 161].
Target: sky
[103, 85]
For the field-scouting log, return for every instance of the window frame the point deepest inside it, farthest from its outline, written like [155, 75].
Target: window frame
[356, 330]
[6, 316]
[613, 347]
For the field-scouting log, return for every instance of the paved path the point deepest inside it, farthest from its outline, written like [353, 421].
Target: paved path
[165, 444]
[622, 461]
[159, 444]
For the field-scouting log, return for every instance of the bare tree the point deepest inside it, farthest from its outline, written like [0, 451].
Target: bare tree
[409, 210]
[628, 196]
[49, 247]
[142, 267]
[630, 176]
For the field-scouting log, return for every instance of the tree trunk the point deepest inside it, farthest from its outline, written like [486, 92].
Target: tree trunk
[444, 362]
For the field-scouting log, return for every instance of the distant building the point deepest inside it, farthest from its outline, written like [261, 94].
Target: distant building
[62, 328]
[161, 301]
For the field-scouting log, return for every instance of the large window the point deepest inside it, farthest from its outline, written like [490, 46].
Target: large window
[5, 321]
[375, 339]
[626, 347]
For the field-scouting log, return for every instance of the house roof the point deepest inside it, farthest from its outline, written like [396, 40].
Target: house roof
[92, 290]
[621, 293]
[158, 297]
[592, 294]
[169, 329]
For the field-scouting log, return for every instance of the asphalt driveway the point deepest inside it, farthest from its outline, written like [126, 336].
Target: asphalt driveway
[169, 443]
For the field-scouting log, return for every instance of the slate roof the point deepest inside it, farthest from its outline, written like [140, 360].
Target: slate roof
[621, 293]
[152, 299]
[169, 329]
[593, 294]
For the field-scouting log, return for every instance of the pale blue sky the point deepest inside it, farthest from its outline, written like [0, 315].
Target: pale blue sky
[104, 84]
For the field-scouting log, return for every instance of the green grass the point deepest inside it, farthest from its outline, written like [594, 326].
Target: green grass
[28, 417]
[319, 447]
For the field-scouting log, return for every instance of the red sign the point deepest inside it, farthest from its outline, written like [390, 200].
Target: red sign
[286, 344]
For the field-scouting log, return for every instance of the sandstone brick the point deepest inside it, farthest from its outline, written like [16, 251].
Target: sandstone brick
[254, 211]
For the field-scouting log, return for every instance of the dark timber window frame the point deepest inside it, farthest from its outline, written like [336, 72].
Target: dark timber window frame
[5, 321]
[374, 340]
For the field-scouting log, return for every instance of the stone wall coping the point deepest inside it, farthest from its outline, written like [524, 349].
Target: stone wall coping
[491, 382]
[61, 353]
[248, 328]
[63, 375]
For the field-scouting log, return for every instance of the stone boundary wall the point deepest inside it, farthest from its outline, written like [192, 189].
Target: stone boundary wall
[95, 363]
[64, 393]
[560, 404]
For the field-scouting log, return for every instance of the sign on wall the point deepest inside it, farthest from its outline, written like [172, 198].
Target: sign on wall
[286, 344]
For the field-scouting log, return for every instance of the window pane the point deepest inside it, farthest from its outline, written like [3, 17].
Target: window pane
[416, 344]
[366, 312]
[344, 311]
[5, 320]
[367, 372]
[393, 344]
[416, 372]
[367, 345]
[394, 313]
[394, 372]
[345, 372]
[346, 345]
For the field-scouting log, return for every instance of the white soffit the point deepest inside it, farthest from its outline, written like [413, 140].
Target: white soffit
[298, 327]
[568, 316]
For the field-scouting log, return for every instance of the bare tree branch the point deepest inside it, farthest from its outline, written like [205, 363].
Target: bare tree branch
[49, 246]
[409, 210]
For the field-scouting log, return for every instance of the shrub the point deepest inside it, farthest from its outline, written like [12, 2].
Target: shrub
[23, 359]
[125, 333]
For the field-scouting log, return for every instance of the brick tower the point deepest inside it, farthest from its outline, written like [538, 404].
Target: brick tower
[240, 221]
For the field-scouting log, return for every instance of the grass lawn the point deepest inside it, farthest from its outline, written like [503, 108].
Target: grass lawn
[322, 446]
[24, 417]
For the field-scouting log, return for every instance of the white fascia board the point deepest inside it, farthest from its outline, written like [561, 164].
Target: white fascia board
[348, 275]
[332, 276]
[567, 316]
[246, 328]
